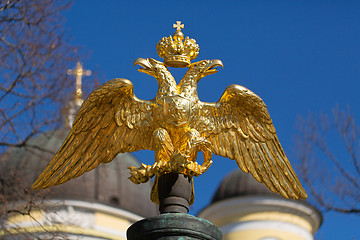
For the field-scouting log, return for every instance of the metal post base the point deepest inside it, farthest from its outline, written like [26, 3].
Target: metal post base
[174, 193]
[173, 226]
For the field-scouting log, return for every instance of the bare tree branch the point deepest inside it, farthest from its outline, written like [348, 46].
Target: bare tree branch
[328, 147]
[34, 56]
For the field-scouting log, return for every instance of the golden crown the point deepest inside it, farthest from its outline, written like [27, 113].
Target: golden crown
[174, 51]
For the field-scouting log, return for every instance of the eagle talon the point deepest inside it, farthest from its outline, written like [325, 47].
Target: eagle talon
[195, 145]
[195, 169]
[141, 174]
[160, 167]
[179, 162]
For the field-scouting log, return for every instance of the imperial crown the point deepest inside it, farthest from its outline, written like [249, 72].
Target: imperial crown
[176, 52]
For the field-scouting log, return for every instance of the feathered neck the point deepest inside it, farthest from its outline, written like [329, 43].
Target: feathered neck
[188, 84]
[167, 84]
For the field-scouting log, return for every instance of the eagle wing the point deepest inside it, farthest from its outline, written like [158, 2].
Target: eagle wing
[111, 121]
[240, 128]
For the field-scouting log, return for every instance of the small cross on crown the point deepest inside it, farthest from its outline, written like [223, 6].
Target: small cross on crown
[178, 26]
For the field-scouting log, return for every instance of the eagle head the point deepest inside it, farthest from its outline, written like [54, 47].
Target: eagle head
[150, 66]
[205, 67]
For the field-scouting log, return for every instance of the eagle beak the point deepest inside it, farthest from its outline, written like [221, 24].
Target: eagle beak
[212, 67]
[145, 64]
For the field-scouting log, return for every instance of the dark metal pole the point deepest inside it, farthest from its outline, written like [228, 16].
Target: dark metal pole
[175, 192]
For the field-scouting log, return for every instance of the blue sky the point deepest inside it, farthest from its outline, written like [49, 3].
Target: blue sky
[298, 56]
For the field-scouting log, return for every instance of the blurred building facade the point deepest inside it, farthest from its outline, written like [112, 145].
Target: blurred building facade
[246, 209]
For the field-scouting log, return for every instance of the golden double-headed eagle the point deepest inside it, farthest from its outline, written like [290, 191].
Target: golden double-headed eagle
[176, 125]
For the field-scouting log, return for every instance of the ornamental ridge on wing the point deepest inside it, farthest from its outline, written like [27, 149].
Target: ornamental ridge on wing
[176, 125]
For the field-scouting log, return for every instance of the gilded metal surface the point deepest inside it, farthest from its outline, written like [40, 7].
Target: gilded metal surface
[178, 26]
[177, 110]
[176, 125]
[176, 52]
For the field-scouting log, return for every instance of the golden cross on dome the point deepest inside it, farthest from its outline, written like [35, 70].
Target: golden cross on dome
[178, 26]
[78, 72]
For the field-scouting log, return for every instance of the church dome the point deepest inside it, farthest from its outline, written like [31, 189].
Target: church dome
[106, 184]
[238, 183]
[243, 208]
